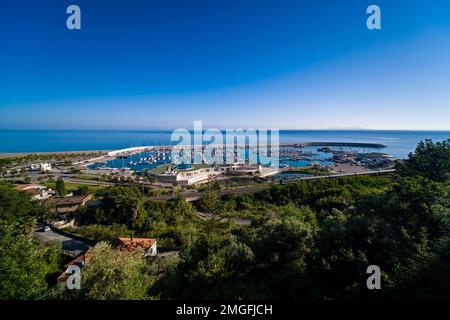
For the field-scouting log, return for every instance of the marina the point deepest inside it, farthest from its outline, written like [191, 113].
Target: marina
[22, 142]
[334, 157]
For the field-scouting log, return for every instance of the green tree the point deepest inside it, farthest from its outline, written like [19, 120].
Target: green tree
[60, 187]
[74, 170]
[430, 160]
[25, 266]
[83, 190]
[123, 204]
[17, 208]
[113, 275]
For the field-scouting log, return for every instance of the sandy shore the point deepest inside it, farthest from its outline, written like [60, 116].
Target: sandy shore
[348, 168]
[23, 154]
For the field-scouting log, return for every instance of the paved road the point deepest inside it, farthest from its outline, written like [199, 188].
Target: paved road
[69, 245]
[194, 195]
[349, 174]
[88, 182]
[239, 221]
[68, 178]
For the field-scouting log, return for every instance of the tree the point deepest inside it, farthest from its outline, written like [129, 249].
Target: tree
[60, 187]
[83, 190]
[24, 263]
[282, 241]
[74, 170]
[216, 267]
[430, 160]
[123, 204]
[24, 266]
[114, 275]
[17, 208]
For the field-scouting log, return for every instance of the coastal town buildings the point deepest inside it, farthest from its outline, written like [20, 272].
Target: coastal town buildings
[122, 244]
[71, 204]
[42, 167]
[195, 174]
[130, 244]
[38, 192]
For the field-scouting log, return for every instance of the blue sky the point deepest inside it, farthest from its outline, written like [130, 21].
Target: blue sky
[139, 64]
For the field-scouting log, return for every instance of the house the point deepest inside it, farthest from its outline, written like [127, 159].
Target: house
[37, 192]
[80, 261]
[126, 245]
[71, 204]
[131, 244]
[65, 220]
[42, 167]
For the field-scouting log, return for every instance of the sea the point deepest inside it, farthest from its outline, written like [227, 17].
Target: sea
[398, 143]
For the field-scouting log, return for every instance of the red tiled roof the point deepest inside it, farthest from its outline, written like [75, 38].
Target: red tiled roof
[131, 244]
[83, 257]
[80, 260]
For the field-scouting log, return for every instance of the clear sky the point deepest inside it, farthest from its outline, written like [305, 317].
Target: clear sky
[139, 64]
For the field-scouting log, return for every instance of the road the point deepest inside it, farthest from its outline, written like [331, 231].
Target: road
[70, 246]
[239, 221]
[195, 195]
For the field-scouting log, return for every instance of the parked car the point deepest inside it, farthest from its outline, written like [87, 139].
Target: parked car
[44, 228]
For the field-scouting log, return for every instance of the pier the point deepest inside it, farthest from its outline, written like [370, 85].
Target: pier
[335, 144]
[166, 148]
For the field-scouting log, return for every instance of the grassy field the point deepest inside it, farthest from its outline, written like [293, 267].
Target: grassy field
[71, 186]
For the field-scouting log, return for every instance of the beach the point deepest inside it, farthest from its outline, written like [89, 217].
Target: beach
[23, 142]
[50, 153]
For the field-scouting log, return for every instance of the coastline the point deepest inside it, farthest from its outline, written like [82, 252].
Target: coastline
[49, 153]
[21, 143]
[105, 151]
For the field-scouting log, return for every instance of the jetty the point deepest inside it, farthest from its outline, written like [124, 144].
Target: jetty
[123, 153]
[335, 144]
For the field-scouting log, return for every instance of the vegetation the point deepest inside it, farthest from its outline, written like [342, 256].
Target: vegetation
[113, 275]
[76, 187]
[309, 240]
[26, 265]
[60, 187]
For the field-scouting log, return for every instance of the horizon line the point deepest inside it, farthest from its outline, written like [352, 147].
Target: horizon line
[238, 127]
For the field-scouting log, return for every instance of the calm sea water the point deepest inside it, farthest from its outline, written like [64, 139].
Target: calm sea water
[399, 143]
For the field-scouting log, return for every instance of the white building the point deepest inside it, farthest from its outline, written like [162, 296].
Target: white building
[37, 192]
[43, 167]
[203, 173]
[188, 176]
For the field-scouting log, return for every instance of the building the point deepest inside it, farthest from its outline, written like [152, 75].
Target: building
[126, 245]
[42, 167]
[71, 204]
[80, 261]
[195, 174]
[185, 174]
[38, 192]
[131, 244]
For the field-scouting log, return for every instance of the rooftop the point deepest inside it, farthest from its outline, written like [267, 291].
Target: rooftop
[72, 200]
[193, 167]
[22, 187]
[130, 244]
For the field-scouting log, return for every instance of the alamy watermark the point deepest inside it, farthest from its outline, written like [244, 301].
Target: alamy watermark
[374, 280]
[230, 146]
[374, 20]
[73, 21]
[74, 279]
